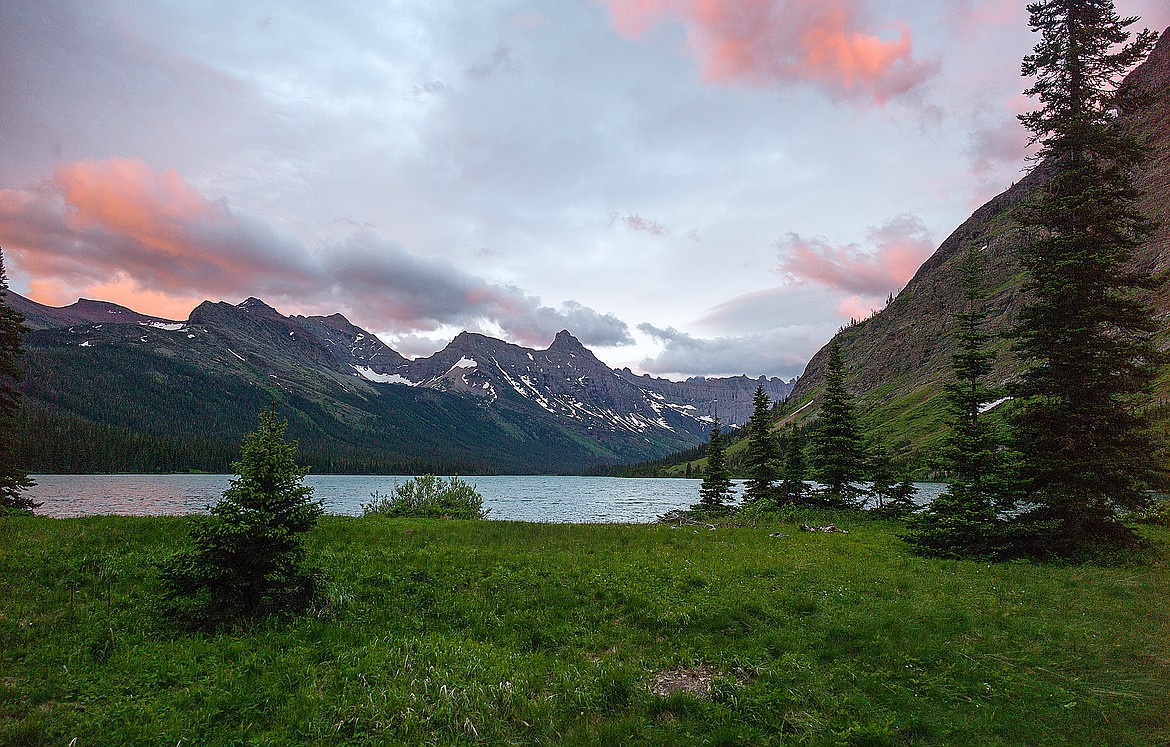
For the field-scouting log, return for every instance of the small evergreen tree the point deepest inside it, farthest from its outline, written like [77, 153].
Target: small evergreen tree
[1085, 336]
[881, 475]
[900, 504]
[838, 457]
[793, 488]
[962, 520]
[715, 490]
[762, 470]
[13, 480]
[248, 558]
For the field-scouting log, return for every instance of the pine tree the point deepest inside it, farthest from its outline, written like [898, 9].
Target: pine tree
[793, 488]
[1086, 338]
[13, 480]
[881, 476]
[962, 520]
[900, 506]
[248, 559]
[838, 457]
[715, 490]
[762, 469]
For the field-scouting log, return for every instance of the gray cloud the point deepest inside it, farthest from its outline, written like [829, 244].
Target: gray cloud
[498, 61]
[119, 218]
[757, 354]
[638, 224]
[997, 142]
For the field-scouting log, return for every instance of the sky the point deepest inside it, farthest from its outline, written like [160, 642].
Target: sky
[691, 187]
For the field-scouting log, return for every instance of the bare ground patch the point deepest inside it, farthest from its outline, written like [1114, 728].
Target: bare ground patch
[692, 680]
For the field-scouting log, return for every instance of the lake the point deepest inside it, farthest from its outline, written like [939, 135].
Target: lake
[511, 498]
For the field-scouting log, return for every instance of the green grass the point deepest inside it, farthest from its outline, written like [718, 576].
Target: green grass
[451, 632]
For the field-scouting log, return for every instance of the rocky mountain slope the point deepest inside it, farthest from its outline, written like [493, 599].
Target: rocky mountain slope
[898, 360]
[98, 371]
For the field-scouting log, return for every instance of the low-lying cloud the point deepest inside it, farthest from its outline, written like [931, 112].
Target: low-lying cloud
[767, 43]
[150, 233]
[896, 249]
[770, 353]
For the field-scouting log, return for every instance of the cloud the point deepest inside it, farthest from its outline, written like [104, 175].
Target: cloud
[118, 224]
[769, 353]
[899, 247]
[493, 63]
[638, 224]
[776, 43]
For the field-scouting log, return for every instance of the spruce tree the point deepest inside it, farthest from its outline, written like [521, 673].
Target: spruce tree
[715, 490]
[793, 488]
[1085, 336]
[881, 476]
[762, 470]
[248, 558]
[838, 457]
[962, 520]
[13, 480]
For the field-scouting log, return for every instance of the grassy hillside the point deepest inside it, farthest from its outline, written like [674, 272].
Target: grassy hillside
[511, 633]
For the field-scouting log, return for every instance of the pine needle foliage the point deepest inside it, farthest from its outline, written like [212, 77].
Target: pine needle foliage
[13, 480]
[248, 556]
[715, 490]
[794, 472]
[963, 521]
[837, 453]
[761, 460]
[1085, 336]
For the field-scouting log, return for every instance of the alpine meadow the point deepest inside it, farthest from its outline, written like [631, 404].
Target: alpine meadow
[614, 260]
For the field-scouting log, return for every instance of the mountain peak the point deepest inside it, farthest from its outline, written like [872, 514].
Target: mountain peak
[251, 303]
[466, 340]
[565, 341]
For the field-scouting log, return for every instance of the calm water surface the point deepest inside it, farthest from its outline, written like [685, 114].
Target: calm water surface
[525, 498]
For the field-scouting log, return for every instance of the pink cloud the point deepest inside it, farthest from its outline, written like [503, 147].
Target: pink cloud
[855, 307]
[119, 230]
[779, 42]
[899, 247]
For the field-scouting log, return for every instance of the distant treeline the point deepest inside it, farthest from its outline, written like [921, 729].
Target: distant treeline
[53, 442]
[668, 466]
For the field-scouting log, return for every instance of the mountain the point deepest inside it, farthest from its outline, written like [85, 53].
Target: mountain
[898, 360]
[731, 398]
[144, 393]
[84, 311]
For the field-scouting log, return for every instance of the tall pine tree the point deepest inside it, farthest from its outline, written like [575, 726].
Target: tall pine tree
[794, 472]
[715, 490]
[762, 469]
[838, 457]
[1085, 336]
[13, 480]
[962, 521]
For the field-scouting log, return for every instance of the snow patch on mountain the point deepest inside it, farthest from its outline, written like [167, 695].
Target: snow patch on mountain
[370, 374]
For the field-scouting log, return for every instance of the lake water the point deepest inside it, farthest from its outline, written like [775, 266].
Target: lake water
[517, 498]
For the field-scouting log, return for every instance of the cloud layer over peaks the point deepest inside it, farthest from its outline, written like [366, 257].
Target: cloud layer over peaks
[118, 222]
[780, 42]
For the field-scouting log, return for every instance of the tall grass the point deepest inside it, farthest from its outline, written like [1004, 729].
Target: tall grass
[471, 632]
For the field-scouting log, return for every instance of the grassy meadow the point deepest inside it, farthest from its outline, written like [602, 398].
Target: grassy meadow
[463, 632]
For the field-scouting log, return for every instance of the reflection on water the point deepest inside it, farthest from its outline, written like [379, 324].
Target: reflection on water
[525, 498]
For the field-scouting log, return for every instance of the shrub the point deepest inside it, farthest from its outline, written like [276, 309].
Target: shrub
[428, 497]
[1156, 513]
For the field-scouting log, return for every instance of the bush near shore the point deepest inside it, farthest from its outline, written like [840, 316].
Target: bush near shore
[472, 632]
